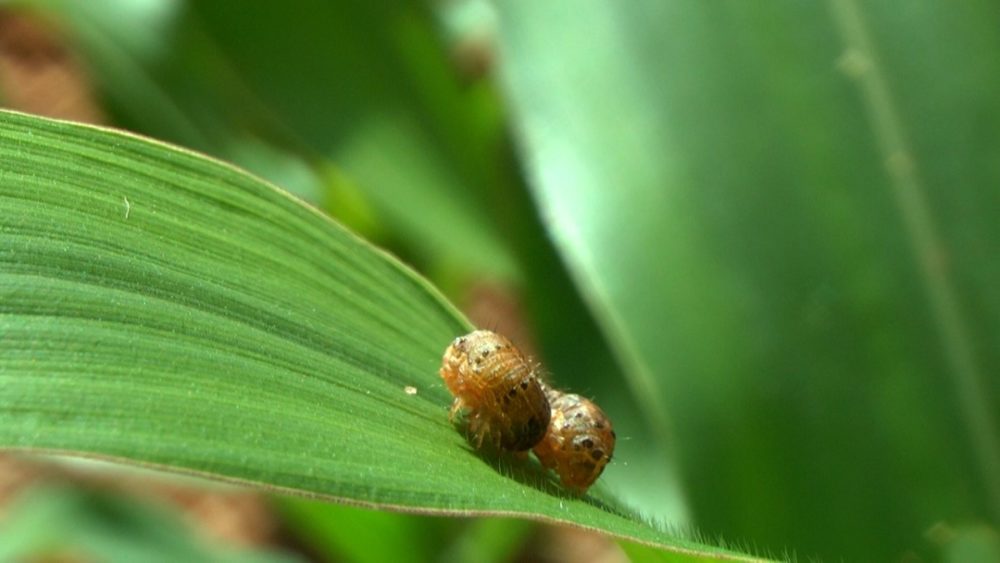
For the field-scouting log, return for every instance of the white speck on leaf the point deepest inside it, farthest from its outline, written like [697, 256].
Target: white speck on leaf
[128, 207]
[410, 390]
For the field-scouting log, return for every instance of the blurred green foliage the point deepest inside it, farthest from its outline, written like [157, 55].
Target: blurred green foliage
[62, 523]
[783, 217]
[798, 257]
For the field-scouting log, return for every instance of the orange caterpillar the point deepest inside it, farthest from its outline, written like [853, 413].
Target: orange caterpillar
[500, 390]
[579, 441]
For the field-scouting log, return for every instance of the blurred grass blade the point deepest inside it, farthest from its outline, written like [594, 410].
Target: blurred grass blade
[347, 533]
[925, 240]
[372, 88]
[165, 309]
[57, 524]
[714, 173]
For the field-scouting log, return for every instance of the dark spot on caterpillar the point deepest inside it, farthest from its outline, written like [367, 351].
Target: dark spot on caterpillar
[597, 455]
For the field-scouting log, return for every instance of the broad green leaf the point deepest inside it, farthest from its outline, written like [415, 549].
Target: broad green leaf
[161, 308]
[424, 149]
[784, 215]
[163, 74]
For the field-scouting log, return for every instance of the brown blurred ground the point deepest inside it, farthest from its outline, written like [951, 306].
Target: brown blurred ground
[39, 75]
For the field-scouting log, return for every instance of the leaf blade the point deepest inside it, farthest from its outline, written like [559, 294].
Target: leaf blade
[162, 308]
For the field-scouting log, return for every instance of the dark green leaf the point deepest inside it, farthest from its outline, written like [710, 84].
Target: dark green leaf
[784, 215]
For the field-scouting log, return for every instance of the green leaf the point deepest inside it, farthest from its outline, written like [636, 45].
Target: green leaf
[427, 158]
[784, 215]
[166, 309]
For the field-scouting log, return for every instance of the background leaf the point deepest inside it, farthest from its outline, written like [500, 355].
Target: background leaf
[783, 215]
[64, 522]
[166, 309]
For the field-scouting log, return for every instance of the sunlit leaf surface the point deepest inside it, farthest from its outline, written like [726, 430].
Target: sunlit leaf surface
[162, 308]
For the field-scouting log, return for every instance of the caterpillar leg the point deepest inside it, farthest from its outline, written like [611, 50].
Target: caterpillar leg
[456, 406]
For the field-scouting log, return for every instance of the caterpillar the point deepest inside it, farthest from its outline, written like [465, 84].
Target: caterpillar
[498, 388]
[579, 442]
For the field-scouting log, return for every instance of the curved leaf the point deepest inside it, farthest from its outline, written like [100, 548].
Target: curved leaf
[162, 308]
[440, 136]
